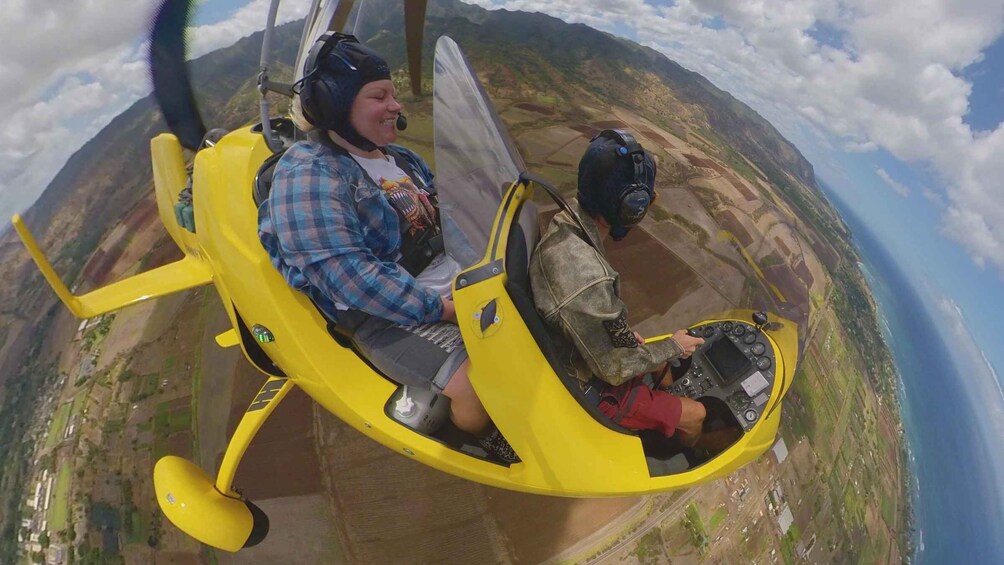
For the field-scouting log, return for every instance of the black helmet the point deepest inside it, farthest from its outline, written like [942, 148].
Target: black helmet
[336, 68]
[616, 180]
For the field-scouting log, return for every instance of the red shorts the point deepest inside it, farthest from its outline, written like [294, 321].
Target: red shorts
[637, 407]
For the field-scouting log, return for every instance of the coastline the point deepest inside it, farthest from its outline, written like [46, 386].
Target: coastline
[911, 536]
[954, 516]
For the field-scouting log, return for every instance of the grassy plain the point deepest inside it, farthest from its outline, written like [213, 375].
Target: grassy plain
[59, 507]
[58, 424]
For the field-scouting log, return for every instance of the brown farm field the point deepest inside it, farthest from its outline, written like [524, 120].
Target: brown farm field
[440, 518]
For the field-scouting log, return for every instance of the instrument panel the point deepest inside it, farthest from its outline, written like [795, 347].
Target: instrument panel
[736, 364]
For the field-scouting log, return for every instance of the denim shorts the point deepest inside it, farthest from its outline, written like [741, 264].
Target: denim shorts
[423, 356]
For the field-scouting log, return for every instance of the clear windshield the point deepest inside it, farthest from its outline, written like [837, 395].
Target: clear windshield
[476, 161]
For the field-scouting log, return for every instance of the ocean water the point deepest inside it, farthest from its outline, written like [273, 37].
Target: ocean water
[955, 470]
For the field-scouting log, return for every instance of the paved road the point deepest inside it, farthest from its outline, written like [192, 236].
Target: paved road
[586, 544]
[640, 530]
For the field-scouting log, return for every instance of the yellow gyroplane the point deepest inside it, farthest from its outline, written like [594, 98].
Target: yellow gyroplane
[566, 447]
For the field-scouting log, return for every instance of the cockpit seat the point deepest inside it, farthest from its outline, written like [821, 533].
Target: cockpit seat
[517, 266]
[262, 184]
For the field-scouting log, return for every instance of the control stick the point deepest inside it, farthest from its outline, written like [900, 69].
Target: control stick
[692, 332]
[760, 320]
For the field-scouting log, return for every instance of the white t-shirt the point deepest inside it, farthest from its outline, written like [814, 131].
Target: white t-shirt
[440, 273]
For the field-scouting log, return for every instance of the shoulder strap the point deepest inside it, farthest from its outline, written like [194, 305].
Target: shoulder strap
[562, 205]
[407, 161]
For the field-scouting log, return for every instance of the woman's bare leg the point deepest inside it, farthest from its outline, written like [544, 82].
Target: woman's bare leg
[466, 410]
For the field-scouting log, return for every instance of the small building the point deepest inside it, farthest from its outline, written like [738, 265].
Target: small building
[80, 330]
[785, 519]
[780, 450]
[57, 555]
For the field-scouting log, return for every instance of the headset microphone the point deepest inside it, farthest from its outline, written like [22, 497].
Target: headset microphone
[402, 122]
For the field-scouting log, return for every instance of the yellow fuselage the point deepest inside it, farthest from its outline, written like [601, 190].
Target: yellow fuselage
[564, 450]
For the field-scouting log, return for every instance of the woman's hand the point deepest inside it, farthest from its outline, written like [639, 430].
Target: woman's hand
[449, 310]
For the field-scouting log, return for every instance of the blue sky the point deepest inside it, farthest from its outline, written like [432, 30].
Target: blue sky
[986, 103]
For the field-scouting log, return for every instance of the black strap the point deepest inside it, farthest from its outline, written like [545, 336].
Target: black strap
[410, 168]
[594, 390]
[418, 248]
[556, 196]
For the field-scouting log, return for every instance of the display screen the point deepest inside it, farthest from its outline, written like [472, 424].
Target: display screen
[728, 360]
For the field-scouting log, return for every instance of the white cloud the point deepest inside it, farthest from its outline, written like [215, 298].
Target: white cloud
[67, 68]
[981, 382]
[41, 42]
[243, 22]
[933, 197]
[892, 81]
[899, 188]
[860, 146]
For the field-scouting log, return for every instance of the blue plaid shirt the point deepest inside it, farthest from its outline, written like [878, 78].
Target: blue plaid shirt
[333, 235]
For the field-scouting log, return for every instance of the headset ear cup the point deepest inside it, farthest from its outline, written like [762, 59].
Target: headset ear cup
[322, 104]
[307, 101]
[633, 205]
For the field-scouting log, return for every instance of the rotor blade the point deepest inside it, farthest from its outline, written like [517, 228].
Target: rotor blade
[169, 73]
[341, 15]
[414, 29]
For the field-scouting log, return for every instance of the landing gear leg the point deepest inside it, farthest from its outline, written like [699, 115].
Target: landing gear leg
[212, 511]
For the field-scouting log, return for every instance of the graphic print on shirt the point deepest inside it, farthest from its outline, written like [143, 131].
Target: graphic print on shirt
[411, 201]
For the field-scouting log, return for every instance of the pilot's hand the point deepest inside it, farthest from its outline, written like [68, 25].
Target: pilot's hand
[449, 310]
[639, 339]
[687, 342]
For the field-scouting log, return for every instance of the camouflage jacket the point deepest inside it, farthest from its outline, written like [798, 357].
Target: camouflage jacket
[577, 293]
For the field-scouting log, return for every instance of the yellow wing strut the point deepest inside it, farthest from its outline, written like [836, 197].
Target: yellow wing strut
[181, 275]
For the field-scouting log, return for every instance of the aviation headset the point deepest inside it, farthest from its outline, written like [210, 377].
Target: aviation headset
[633, 199]
[320, 103]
